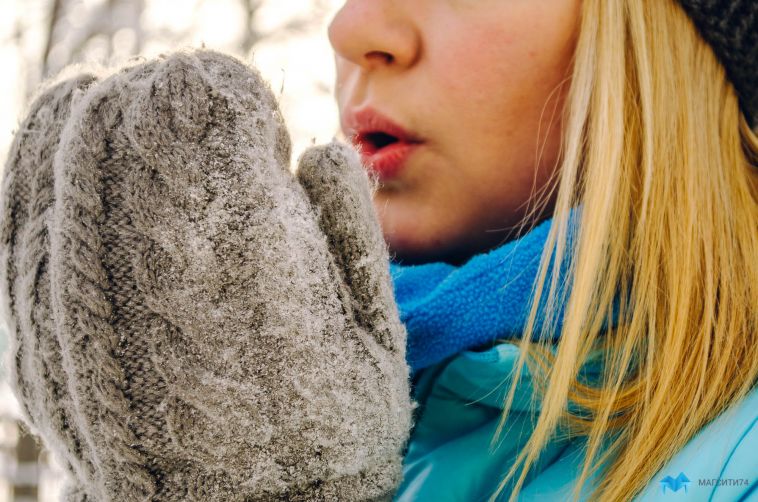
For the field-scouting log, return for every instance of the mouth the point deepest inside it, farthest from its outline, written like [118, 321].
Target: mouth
[384, 146]
[372, 142]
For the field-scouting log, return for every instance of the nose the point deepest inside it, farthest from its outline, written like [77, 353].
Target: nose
[375, 34]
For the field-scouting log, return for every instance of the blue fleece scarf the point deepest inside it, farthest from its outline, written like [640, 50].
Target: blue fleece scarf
[447, 309]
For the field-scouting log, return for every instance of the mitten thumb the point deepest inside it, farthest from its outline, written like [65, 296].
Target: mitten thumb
[340, 190]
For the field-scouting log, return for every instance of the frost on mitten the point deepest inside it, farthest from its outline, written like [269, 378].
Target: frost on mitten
[227, 330]
[36, 371]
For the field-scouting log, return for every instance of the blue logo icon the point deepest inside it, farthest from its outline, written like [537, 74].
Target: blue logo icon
[674, 484]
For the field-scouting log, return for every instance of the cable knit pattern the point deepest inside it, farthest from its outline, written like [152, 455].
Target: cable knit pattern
[731, 28]
[226, 330]
[37, 372]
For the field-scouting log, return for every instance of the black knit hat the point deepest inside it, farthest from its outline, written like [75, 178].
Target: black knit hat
[731, 28]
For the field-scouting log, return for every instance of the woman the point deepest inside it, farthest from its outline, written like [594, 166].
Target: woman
[500, 114]
[568, 191]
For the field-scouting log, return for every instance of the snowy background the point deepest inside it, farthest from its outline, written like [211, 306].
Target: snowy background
[285, 39]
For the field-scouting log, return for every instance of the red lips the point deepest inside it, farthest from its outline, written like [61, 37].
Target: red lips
[384, 145]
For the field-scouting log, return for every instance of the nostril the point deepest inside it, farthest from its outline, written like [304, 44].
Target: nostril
[382, 56]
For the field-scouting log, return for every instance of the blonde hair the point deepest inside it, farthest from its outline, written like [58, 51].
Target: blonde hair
[662, 162]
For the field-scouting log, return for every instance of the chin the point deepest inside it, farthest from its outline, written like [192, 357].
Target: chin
[416, 235]
[413, 238]
[412, 247]
[415, 251]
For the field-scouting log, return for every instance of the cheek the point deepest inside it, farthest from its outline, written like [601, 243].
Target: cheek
[493, 100]
[503, 67]
[497, 87]
[473, 79]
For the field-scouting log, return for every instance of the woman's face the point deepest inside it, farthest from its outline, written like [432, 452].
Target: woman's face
[455, 105]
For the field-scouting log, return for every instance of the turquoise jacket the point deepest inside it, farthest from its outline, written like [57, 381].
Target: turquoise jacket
[460, 402]
[449, 311]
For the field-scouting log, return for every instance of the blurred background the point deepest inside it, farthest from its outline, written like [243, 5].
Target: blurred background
[285, 39]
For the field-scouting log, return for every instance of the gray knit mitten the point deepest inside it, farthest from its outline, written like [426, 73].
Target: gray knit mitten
[200, 324]
[36, 369]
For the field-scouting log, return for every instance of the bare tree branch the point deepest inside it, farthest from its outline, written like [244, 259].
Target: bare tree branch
[252, 35]
[55, 11]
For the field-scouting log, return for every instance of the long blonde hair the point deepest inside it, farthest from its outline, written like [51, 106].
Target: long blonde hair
[663, 164]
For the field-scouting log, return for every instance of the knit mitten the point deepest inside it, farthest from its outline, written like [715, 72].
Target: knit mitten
[226, 330]
[36, 370]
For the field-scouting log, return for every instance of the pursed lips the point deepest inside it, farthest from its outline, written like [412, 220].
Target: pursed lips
[385, 146]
